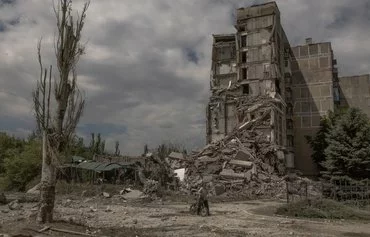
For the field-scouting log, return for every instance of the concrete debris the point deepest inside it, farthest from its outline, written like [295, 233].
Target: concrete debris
[133, 194]
[124, 191]
[243, 162]
[15, 205]
[106, 195]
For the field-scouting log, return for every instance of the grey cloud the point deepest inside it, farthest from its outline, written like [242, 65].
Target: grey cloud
[146, 71]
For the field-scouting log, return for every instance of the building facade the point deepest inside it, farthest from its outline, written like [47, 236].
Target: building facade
[257, 65]
[314, 80]
[250, 69]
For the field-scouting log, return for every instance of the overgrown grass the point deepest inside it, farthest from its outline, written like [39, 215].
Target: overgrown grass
[323, 208]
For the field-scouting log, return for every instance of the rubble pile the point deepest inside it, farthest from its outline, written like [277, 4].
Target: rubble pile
[245, 162]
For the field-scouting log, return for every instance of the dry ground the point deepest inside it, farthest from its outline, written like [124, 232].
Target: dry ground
[117, 217]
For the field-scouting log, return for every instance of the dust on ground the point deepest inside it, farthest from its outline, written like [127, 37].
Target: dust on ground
[115, 216]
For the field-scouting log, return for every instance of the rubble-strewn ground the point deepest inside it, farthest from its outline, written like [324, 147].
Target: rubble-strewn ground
[117, 217]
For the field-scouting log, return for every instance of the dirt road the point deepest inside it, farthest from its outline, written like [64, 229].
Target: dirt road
[115, 217]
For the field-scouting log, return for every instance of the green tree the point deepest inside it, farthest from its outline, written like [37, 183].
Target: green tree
[318, 142]
[8, 143]
[22, 164]
[348, 150]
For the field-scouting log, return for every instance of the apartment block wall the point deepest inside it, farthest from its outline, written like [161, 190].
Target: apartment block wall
[314, 77]
[354, 91]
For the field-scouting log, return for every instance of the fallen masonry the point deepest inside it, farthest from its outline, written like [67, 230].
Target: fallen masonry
[244, 163]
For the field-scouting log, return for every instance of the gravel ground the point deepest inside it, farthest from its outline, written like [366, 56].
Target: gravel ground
[117, 217]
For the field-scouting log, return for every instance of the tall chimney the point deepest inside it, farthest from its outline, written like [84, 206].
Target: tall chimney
[308, 40]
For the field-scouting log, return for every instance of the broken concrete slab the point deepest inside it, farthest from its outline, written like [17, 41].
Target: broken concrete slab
[243, 154]
[206, 159]
[15, 205]
[245, 164]
[176, 156]
[106, 195]
[207, 178]
[229, 173]
[207, 153]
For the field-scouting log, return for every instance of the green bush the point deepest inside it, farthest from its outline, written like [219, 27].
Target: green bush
[21, 166]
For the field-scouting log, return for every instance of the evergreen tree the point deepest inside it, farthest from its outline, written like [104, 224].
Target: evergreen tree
[348, 150]
[318, 142]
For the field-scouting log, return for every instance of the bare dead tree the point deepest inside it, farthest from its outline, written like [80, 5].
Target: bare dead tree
[57, 121]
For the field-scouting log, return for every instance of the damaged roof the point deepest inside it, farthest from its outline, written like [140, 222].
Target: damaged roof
[98, 166]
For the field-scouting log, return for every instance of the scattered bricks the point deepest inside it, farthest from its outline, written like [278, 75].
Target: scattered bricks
[243, 155]
[245, 164]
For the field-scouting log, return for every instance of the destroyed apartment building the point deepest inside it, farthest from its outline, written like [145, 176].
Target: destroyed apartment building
[249, 139]
[266, 97]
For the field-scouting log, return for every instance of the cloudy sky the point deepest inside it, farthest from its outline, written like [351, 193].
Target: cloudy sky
[147, 68]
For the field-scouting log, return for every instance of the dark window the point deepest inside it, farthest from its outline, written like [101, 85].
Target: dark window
[244, 41]
[244, 57]
[286, 62]
[244, 73]
[277, 86]
[290, 141]
[246, 89]
[290, 109]
[289, 124]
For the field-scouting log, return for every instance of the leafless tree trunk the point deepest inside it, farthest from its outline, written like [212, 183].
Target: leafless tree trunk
[57, 121]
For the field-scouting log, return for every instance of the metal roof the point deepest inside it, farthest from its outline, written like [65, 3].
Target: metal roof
[89, 165]
[99, 166]
[108, 167]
